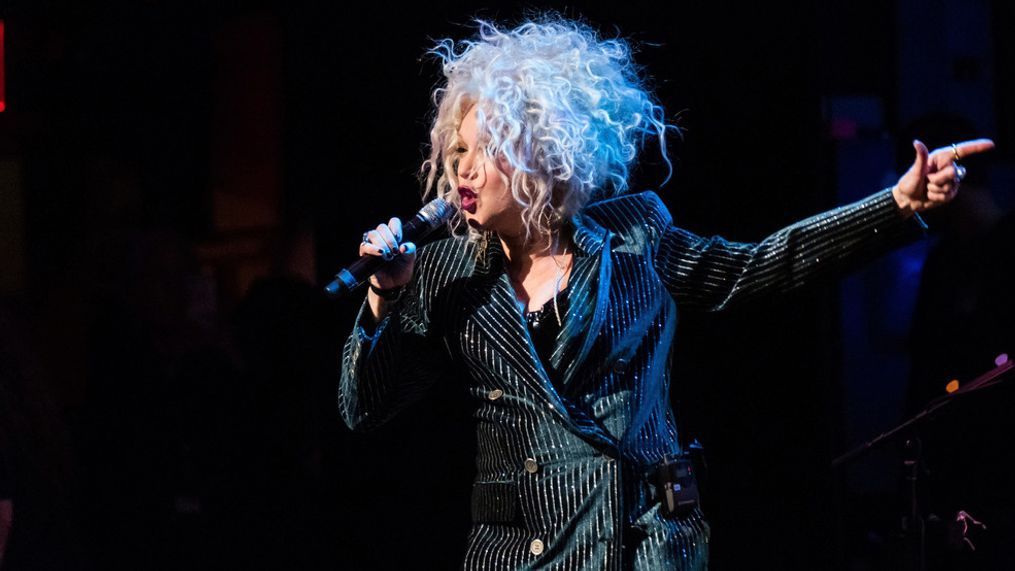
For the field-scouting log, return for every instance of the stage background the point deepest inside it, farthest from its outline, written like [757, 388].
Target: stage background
[179, 179]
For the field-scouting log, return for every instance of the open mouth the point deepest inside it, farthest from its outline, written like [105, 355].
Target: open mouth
[468, 199]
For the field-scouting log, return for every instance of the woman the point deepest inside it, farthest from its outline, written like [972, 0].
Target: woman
[560, 299]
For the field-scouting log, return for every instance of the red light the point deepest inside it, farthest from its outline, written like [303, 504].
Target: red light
[3, 99]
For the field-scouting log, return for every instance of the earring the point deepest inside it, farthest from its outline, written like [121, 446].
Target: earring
[551, 216]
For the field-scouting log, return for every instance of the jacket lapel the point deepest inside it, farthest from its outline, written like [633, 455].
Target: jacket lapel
[499, 319]
[589, 296]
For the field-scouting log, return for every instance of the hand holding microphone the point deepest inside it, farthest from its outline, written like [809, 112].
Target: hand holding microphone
[388, 252]
[385, 241]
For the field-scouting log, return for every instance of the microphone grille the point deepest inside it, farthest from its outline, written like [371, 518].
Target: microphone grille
[436, 212]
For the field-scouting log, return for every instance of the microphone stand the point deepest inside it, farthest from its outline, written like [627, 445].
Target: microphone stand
[914, 523]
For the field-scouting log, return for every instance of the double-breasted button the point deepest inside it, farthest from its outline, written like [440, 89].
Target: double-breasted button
[620, 366]
[531, 466]
[495, 394]
[536, 547]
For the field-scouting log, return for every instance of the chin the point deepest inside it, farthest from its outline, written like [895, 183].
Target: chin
[477, 224]
[472, 221]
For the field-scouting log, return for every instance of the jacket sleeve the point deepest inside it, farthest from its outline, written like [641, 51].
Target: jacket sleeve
[711, 274]
[385, 371]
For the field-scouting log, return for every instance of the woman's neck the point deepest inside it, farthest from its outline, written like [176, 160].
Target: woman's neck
[521, 254]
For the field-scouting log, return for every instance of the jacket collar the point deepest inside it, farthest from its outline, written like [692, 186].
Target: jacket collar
[588, 235]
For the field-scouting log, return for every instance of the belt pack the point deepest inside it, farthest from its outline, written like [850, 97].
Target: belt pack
[676, 485]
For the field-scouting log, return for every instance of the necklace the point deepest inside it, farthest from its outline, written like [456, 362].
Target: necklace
[556, 287]
[560, 272]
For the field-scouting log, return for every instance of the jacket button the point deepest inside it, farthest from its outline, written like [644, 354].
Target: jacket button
[495, 394]
[536, 547]
[620, 366]
[531, 466]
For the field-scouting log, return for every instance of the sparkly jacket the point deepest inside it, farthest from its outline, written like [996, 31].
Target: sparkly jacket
[562, 466]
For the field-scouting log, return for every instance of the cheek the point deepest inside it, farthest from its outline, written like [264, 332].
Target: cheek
[504, 166]
[503, 184]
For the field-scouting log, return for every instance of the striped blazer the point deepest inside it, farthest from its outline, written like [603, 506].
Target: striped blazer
[562, 465]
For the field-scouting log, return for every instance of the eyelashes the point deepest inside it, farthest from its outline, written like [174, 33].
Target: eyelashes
[456, 157]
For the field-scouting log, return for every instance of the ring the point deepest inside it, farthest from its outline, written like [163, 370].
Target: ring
[959, 172]
[955, 151]
[366, 237]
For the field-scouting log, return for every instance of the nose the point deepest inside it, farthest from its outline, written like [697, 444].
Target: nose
[464, 169]
[466, 166]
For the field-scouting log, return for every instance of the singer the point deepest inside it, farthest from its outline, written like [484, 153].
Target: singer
[558, 293]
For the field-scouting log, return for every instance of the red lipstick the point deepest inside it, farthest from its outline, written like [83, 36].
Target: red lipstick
[468, 199]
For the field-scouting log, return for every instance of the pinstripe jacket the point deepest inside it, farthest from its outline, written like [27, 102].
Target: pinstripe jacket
[561, 469]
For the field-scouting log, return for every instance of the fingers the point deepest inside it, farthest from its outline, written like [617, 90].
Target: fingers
[935, 192]
[396, 228]
[935, 177]
[942, 186]
[373, 244]
[942, 157]
[943, 177]
[940, 195]
[388, 236]
[383, 240]
[920, 164]
[972, 147]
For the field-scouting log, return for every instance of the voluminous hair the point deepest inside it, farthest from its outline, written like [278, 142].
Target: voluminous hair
[565, 109]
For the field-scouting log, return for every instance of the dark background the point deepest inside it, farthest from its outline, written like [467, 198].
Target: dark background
[179, 179]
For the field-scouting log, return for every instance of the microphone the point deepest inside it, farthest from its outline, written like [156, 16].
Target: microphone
[433, 214]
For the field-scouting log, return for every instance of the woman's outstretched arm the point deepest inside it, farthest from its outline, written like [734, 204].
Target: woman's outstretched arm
[713, 273]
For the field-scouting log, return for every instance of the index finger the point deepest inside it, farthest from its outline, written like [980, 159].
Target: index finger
[967, 148]
[396, 228]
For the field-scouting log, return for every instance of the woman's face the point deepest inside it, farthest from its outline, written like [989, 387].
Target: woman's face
[484, 184]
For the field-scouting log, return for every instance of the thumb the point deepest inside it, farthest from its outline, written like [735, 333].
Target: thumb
[920, 164]
[408, 248]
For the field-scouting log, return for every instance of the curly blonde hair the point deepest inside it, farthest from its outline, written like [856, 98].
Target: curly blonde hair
[565, 109]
